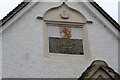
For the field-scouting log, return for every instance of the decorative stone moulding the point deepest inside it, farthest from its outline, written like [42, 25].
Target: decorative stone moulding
[93, 72]
[69, 18]
[64, 13]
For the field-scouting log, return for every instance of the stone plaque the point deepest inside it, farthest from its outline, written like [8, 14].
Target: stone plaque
[65, 46]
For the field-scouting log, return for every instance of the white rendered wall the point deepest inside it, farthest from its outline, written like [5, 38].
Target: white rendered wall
[23, 47]
[119, 40]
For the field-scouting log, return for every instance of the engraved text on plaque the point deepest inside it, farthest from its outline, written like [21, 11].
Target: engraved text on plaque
[65, 46]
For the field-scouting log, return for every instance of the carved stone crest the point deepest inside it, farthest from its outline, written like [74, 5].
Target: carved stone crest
[65, 32]
[64, 15]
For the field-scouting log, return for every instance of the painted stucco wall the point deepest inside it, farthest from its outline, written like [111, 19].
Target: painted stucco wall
[23, 47]
[119, 34]
[119, 12]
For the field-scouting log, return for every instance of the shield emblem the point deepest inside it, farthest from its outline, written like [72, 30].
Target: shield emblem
[65, 32]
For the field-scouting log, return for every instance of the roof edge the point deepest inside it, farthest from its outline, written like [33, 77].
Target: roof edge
[13, 12]
[95, 66]
[105, 14]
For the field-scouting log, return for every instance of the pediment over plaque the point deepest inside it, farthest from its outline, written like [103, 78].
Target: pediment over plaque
[64, 13]
[99, 70]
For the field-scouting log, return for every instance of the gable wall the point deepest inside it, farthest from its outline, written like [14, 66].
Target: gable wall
[23, 48]
[119, 34]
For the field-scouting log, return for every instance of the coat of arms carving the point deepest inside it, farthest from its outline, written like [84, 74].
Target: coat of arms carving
[64, 15]
[65, 32]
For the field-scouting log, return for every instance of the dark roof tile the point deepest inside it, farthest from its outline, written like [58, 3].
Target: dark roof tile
[13, 12]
